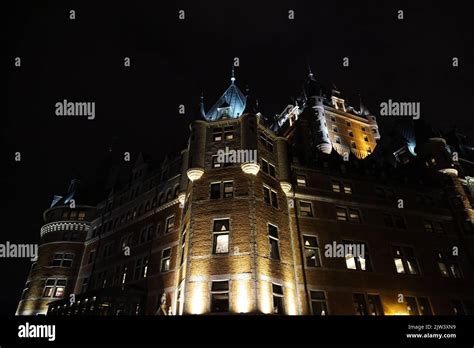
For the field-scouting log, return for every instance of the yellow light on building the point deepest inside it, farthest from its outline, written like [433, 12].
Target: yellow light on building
[265, 297]
[243, 297]
[250, 168]
[198, 298]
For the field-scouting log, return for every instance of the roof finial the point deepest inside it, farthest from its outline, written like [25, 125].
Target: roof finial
[310, 73]
[232, 79]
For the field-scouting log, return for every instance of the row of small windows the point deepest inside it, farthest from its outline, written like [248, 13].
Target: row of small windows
[135, 213]
[73, 215]
[403, 257]
[220, 133]
[132, 239]
[380, 192]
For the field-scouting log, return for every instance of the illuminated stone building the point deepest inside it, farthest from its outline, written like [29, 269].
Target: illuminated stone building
[196, 235]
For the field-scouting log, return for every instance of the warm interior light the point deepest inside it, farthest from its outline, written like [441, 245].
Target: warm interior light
[195, 173]
[250, 168]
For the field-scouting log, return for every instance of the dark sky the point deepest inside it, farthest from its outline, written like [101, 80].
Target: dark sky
[172, 61]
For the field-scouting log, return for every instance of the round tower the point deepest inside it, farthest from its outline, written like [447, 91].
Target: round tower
[248, 124]
[53, 274]
[197, 149]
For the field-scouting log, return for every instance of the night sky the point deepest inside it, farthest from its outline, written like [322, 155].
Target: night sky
[173, 61]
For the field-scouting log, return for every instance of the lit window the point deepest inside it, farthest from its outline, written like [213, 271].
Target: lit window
[54, 287]
[220, 296]
[354, 215]
[306, 209]
[311, 251]
[169, 224]
[221, 236]
[228, 189]
[301, 180]
[229, 133]
[347, 188]
[318, 302]
[141, 268]
[217, 134]
[357, 256]
[336, 186]
[341, 213]
[274, 242]
[81, 216]
[405, 261]
[448, 268]
[165, 260]
[277, 299]
[215, 162]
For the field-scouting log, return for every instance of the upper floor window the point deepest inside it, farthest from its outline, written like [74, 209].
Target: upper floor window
[306, 209]
[63, 260]
[274, 242]
[220, 296]
[447, 265]
[54, 287]
[169, 224]
[311, 251]
[220, 232]
[301, 180]
[405, 261]
[266, 141]
[357, 256]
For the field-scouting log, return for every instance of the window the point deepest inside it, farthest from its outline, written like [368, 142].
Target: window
[141, 268]
[360, 306]
[311, 251]
[301, 180]
[264, 166]
[277, 299]
[458, 308]
[306, 209]
[216, 190]
[63, 260]
[271, 170]
[221, 236]
[54, 287]
[357, 256]
[270, 196]
[351, 134]
[433, 226]
[375, 305]
[354, 215]
[412, 306]
[334, 129]
[229, 132]
[405, 261]
[266, 141]
[220, 296]
[274, 242]
[91, 256]
[363, 129]
[165, 260]
[448, 268]
[81, 216]
[169, 224]
[318, 302]
[347, 188]
[424, 305]
[215, 162]
[217, 134]
[337, 139]
[228, 189]
[341, 213]
[353, 145]
[336, 186]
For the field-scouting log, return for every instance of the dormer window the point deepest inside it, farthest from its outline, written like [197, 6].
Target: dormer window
[338, 103]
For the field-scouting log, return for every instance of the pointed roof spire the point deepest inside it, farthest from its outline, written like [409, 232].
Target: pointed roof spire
[201, 105]
[232, 79]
